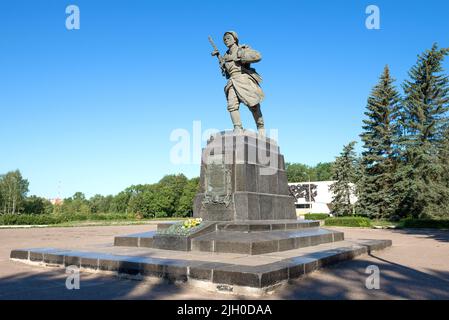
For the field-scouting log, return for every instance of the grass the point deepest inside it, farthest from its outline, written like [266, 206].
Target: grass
[316, 216]
[384, 224]
[102, 223]
[348, 222]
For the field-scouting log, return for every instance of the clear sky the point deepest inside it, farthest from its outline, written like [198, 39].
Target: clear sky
[92, 109]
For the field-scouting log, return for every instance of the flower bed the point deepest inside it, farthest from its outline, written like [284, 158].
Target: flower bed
[183, 228]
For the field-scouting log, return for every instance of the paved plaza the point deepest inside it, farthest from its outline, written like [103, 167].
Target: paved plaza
[415, 267]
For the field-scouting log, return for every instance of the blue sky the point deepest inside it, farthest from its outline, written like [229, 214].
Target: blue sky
[92, 110]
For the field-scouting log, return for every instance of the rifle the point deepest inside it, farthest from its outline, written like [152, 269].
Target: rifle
[219, 57]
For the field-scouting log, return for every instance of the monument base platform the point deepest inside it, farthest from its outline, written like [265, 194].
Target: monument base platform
[245, 257]
[228, 273]
[244, 237]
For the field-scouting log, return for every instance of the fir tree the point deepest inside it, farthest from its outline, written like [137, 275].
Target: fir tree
[380, 136]
[420, 180]
[444, 159]
[344, 172]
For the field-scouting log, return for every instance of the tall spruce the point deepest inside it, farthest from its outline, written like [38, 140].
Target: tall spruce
[344, 172]
[420, 180]
[380, 138]
[444, 159]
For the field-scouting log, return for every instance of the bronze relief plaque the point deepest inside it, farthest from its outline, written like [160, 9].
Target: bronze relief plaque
[218, 188]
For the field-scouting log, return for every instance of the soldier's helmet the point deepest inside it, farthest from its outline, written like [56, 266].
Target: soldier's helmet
[234, 35]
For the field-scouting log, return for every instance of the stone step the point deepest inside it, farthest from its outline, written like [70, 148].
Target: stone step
[143, 239]
[146, 239]
[238, 275]
[255, 243]
[267, 225]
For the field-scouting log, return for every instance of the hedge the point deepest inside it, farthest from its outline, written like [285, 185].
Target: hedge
[424, 223]
[28, 219]
[45, 219]
[348, 222]
[316, 216]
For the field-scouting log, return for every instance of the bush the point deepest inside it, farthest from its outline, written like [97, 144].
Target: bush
[161, 215]
[45, 219]
[316, 216]
[424, 223]
[111, 216]
[348, 222]
[28, 219]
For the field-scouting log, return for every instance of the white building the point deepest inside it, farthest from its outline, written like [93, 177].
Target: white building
[321, 196]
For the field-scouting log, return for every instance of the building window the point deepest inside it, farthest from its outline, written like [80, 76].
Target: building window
[303, 206]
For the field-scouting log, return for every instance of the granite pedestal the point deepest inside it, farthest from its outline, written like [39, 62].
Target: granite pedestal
[243, 178]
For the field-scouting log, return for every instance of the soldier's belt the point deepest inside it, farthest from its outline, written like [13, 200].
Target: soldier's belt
[234, 74]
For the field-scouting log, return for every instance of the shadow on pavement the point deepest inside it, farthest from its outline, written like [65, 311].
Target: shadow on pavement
[436, 234]
[49, 285]
[346, 280]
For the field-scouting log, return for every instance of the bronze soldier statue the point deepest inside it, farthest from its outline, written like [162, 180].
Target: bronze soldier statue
[243, 81]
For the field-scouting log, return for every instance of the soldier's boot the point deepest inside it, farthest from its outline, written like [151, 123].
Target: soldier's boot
[257, 114]
[236, 121]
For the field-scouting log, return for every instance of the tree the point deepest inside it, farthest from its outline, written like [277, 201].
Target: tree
[298, 172]
[135, 203]
[344, 172]
[161, 201]
[13, 188]
[37, 205]
[322, 172]
[152, 200]
[2, 200]
[100, 204]
[444, 156]
[76, 204]
[176, 185]
[420, 180]
[119, 203]
[380, 136]
[185, 205]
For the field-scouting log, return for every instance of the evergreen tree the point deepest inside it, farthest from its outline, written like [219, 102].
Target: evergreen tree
[420, 180]
[344, 172]
[380, 138]
[444, 159]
